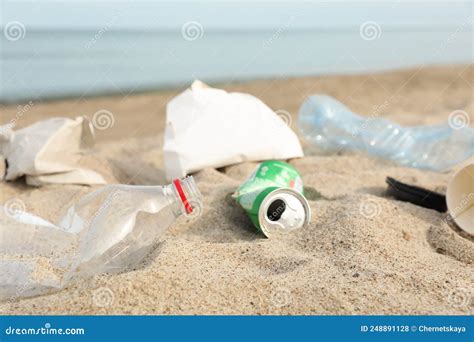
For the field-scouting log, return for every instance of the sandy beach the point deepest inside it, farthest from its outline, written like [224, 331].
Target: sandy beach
[363, 253]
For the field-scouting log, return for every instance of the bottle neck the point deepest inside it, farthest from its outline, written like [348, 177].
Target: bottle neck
[184, 196]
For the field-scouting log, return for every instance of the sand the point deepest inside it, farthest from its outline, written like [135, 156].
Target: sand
[363, 253]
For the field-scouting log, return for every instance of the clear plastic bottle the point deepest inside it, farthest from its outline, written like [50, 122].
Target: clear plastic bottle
[332, 127]
[108, 230]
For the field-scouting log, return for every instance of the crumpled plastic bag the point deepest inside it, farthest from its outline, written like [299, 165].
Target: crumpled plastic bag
[49, 151]
[208, 127]
[108, 230]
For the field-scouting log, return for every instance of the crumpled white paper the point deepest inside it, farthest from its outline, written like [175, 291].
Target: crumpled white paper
[208, 127]
[48, 151]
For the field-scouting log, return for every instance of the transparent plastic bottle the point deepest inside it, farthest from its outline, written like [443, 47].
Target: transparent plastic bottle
[127, 223]
[332, 127]
[108, 230]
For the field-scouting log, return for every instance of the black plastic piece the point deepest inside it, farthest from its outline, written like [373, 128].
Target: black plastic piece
[416, 195]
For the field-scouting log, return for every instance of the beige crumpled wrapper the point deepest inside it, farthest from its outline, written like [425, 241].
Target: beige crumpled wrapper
[48, 152]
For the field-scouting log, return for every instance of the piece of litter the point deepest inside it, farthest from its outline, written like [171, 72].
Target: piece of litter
[208, 127]
[49, 151]
[108, 230]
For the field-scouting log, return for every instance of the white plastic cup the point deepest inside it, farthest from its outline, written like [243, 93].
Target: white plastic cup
[460, 198]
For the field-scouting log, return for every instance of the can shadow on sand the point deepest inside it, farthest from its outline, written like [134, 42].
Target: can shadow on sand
[228, 222]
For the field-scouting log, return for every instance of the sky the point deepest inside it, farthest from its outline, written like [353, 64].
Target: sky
[242, 15]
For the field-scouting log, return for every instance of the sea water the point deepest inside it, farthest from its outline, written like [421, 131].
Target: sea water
[50, 64]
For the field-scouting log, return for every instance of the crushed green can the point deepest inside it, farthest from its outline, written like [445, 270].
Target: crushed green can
[273, 198]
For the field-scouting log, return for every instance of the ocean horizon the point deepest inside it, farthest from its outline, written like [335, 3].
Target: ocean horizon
[47, 64]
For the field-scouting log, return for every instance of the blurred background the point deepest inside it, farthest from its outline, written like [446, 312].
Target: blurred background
[54, 49]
